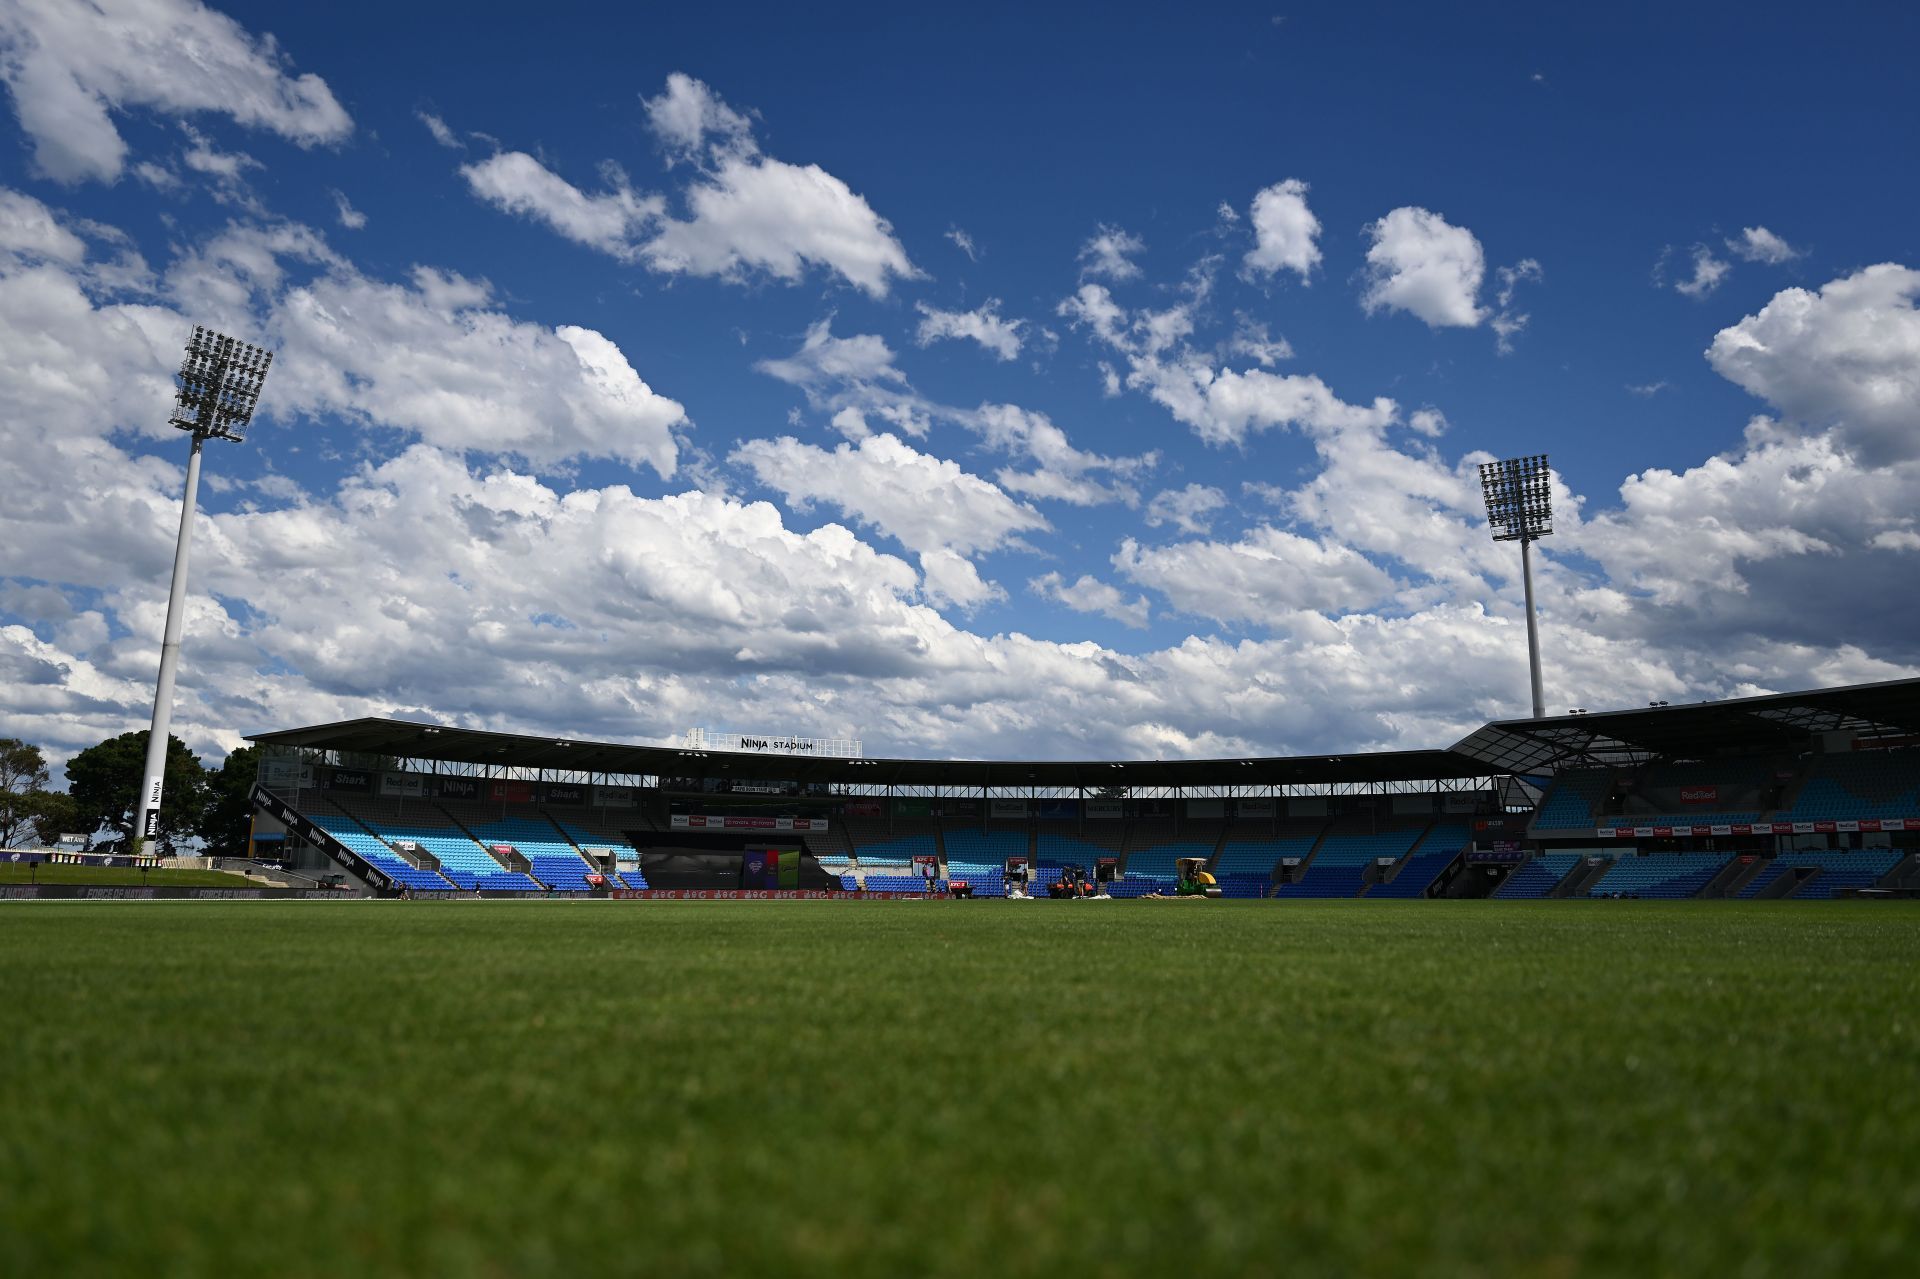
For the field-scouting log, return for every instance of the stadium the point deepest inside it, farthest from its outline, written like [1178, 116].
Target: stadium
[1094, 466]
[1809, 796]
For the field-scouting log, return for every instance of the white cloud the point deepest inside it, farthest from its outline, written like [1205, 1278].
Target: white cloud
[1284, 232]
[748, 213]
[1647, 390]
[29, 230]
[350, 218]
[69, 65]
[688, 113]
[947, 577]
[1088, 594]
[964, 242]
[1422, 264]
[1250, 339]
[1507, 322]
[855, 378]
[1266, 576]
[751, 213]
[441, 131]
[613, 222]
[928, 503]
[1108, 254]
[1847, 356]
[1186, 508]
[1708, 272]
[1757, 244]
[983, 324]
[438, 359]
[1221, 405]
[765, 215]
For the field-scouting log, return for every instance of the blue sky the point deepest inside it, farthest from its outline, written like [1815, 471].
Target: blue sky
[1101, 382]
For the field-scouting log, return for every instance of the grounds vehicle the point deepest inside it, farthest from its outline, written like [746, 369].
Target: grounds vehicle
[1195, 879]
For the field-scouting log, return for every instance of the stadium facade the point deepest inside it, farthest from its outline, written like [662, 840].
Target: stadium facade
[1812, 794]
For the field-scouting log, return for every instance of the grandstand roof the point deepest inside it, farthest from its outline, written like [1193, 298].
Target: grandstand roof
[1689, 731]
[1695, 730]
[405, 739]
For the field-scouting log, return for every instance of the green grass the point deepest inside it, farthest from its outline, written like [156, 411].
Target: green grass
[960, 1088]
[54, 873]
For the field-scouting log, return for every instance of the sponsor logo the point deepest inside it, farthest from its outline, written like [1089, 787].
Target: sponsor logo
[1699, 794]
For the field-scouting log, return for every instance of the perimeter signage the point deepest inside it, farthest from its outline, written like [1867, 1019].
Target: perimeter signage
[696, 821]
[1871, 825]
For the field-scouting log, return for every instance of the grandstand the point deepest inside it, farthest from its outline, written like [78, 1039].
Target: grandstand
[1809, 795]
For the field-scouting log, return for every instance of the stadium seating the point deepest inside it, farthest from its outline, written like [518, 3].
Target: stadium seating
[377, 854]
[894, 852]
[984, 847]
[1439, 850]
[1537, 878]
[1260, 857]
[1571, 801]
[989, 879]
[462, 861]
[555, 862]
[1660, 875]
[1866, 784]
[1844, 868]
[896, 884]
[1765, 879]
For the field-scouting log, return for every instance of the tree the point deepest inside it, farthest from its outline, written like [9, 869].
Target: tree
[227, 825]
[104, 781]
[54, 814]
[23, 775]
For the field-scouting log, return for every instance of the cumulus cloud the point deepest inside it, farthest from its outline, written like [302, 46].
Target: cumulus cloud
[927, 503]
[1108, 254]
[1223, 406]
[747, 214]
[1267, 575]
[687, 115]
[614, 221]
[855, 379]
[983, 324]
[1422, 264]
[1088, 594]
[1285, 232]
[1708, 272]
[1757, 244]
[1846, 357]
[69, 66]
[1187, 509]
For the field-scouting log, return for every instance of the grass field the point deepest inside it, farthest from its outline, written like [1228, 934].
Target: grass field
[960, 1088]
[53, 873]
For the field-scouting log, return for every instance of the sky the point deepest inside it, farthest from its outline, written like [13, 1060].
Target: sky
[1098, 382]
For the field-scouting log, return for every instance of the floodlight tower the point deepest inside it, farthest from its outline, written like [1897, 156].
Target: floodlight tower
[220, 381]
[1519, 493]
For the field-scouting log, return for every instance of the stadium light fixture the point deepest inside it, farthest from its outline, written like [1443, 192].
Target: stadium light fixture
[219, 385]
[1519, 495]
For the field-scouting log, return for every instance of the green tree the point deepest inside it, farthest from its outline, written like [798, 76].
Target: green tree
[54, 814]
[104, 781]
[227, 825]
[23, 775]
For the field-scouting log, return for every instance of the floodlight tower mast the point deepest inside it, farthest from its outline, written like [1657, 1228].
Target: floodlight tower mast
[1519, 495]
[220, 381]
